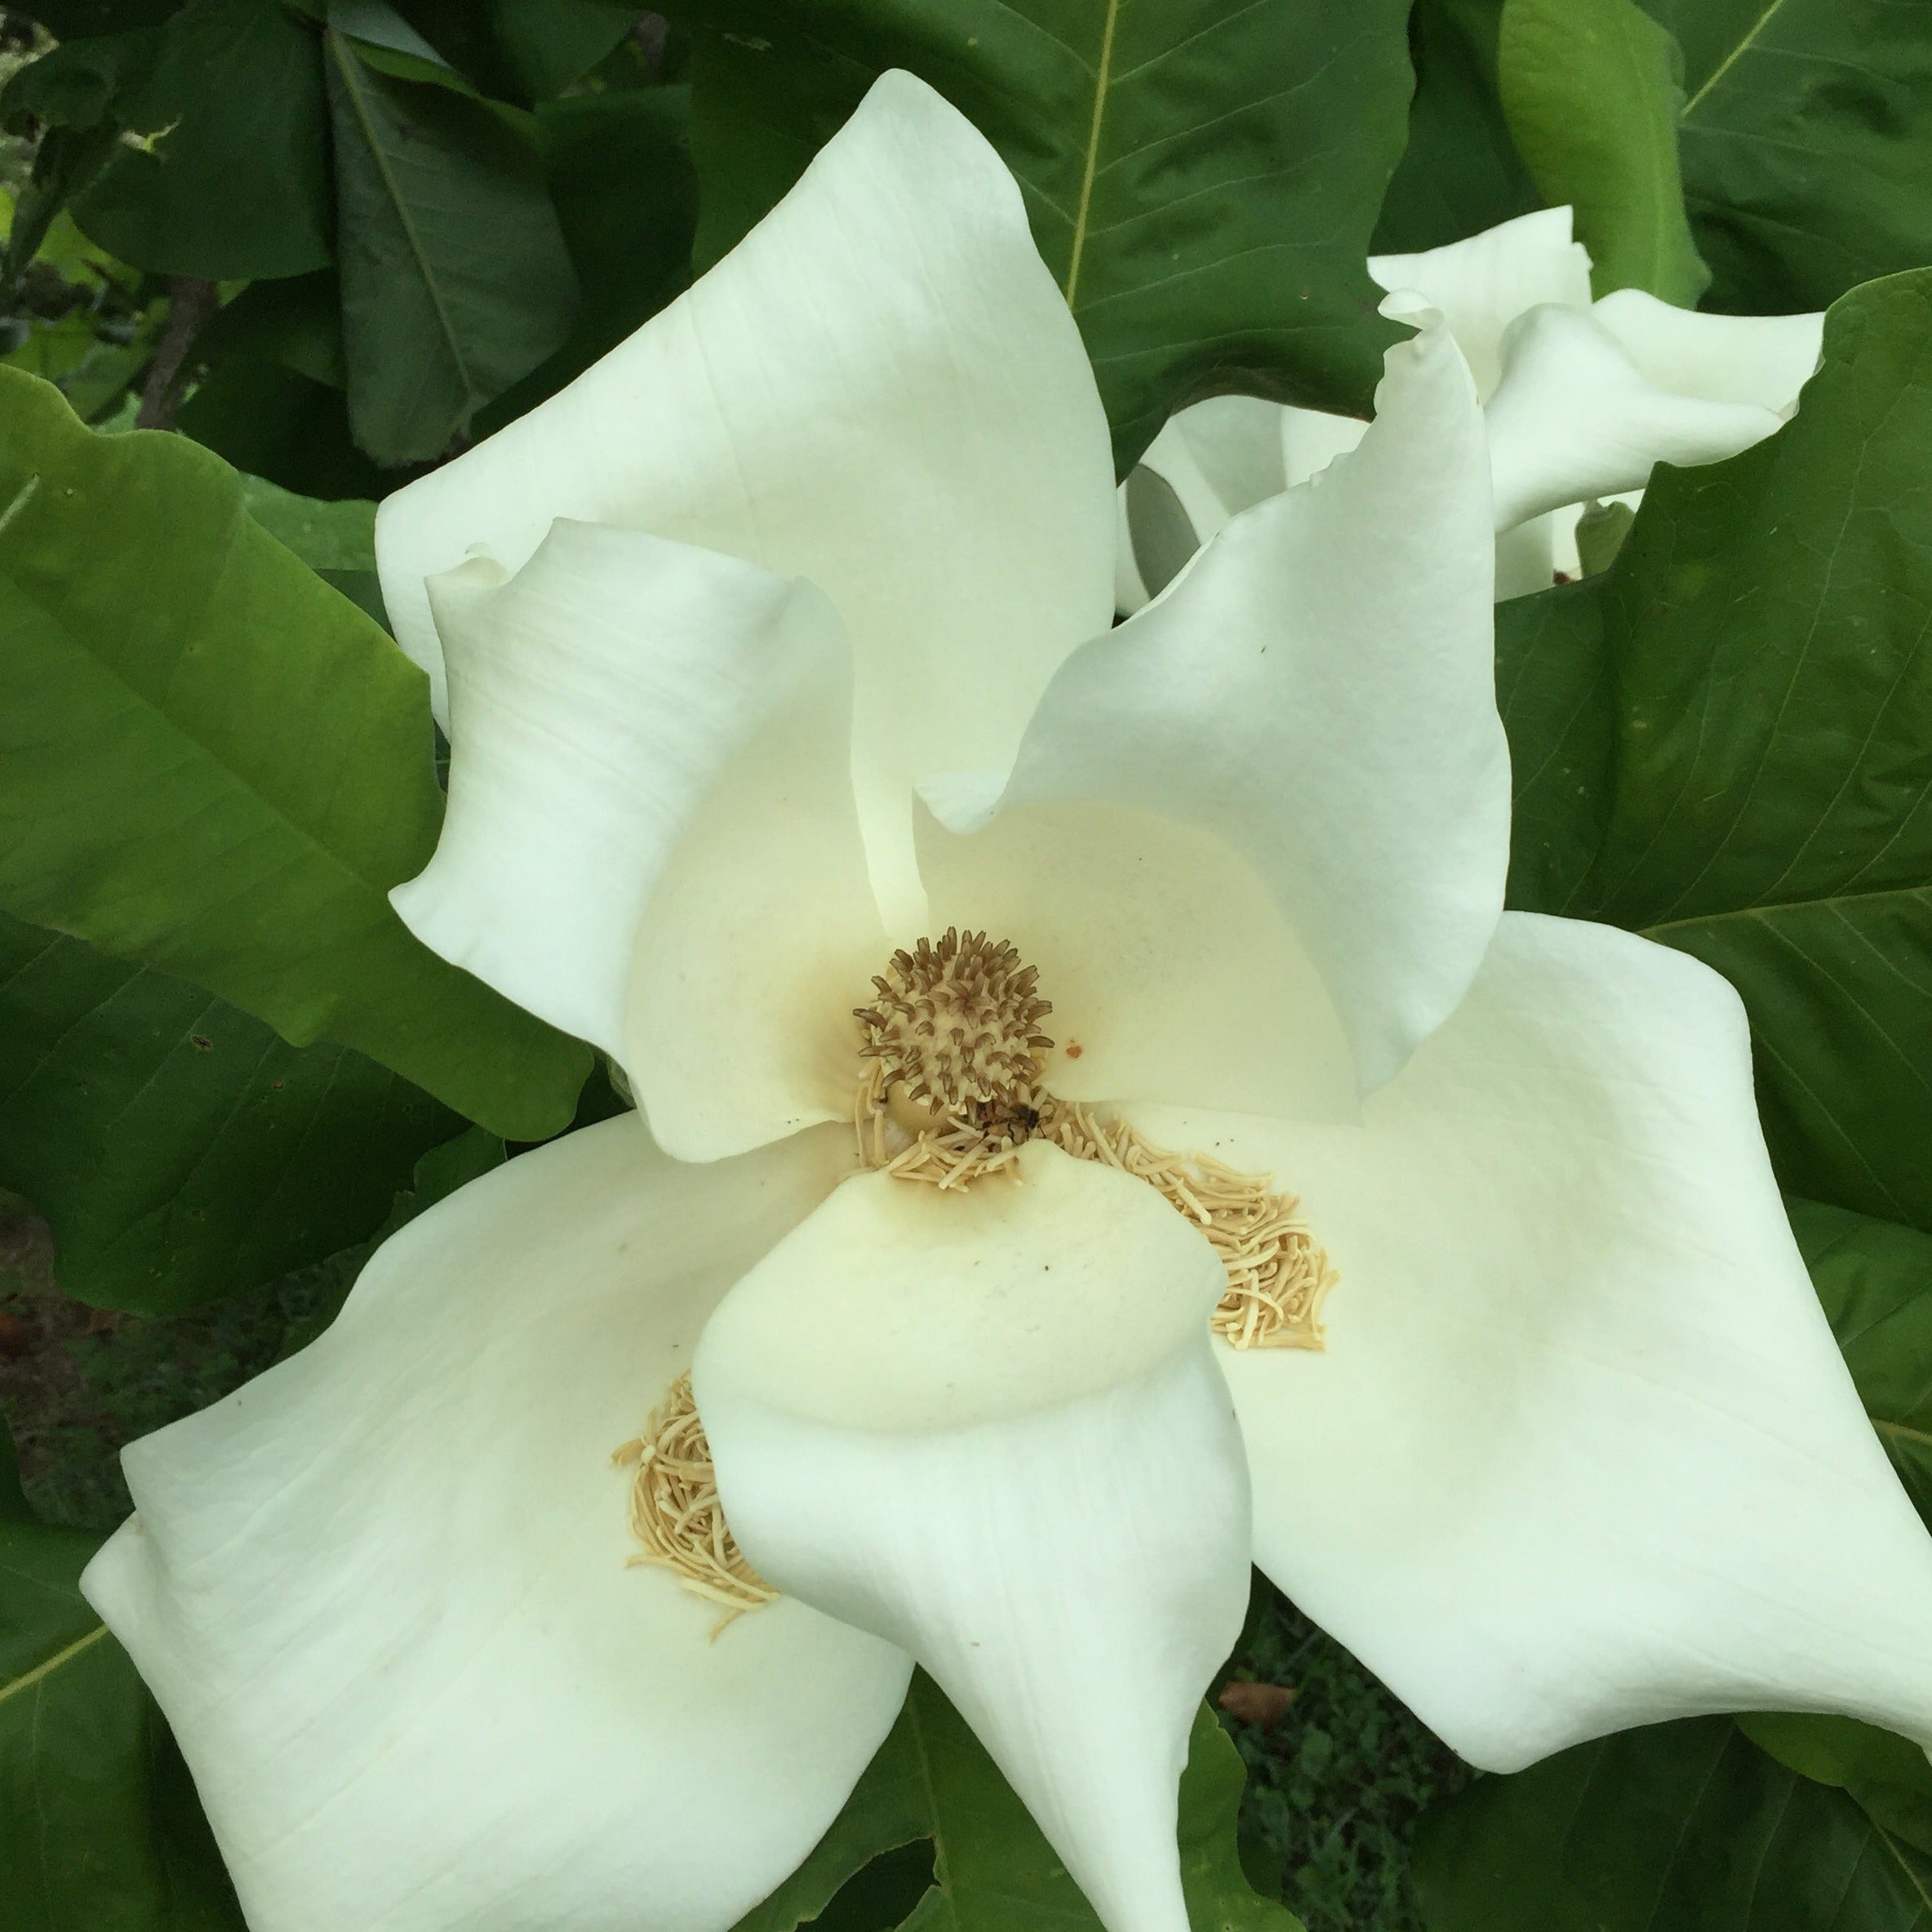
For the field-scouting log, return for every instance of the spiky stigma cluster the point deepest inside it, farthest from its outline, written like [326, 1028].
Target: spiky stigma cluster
[952, 1045]
[676, 1515]
[952, 1089]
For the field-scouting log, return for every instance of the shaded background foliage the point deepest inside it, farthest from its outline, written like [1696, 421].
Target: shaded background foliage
[330, 244]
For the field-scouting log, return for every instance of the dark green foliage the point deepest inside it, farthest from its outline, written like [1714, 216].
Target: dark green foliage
[180, 1150]
[234, 180]
[455, 277]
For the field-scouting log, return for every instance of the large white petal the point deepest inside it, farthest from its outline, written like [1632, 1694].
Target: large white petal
[1311, 439]
[1581, 1453]
[1484, 282]
[1573, 418]
[652, 839]
[879, 389]
[985, 1424]
[1172, 973]
[381, 1592]
[1317, 693]
[1765, 359]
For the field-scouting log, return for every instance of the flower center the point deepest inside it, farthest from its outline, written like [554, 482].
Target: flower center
[675, 1513]
[951, 1089]
[955, 1033]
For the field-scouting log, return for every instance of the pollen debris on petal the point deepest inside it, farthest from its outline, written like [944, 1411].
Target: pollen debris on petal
[676, 1515]
[1277, 1274]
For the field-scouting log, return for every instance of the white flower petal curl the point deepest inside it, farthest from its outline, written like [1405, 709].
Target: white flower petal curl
[882, 390]
[1761, 359]
[1317, 691]
[652, 839]
[381, 1592]
[1485, 281]
[985, 1424]
[1573, 418]
[1581, 1453]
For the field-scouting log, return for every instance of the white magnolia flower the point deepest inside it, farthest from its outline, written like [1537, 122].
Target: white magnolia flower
[977, 1297]
[1582, 399]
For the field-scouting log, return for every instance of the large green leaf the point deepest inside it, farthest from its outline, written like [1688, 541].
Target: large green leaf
[620, 169]
[99, 1829]
[1680, 1828]
[1807, 144]
[1592, 90]
[211, 763]
[1202, 177]
[1460, 172]
[992, 1872]
[455, 280]
[1725, 742]
[235, 181]
[1874, 1280]
[179, 1149]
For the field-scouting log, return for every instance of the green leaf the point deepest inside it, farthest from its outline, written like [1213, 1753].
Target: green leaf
[234, 180]
[1680, 1828]
[522, 49]
[1202, 177]
[620, 169]
[992, 1872]
[1725, 742]
[1888, 1776]
[327, 536]
[212, 764]
[455, 280]
[179, 1150]
[99, 1825]
[271, 421]
[1806, 143]
[1592, 90]
[1874, 1279]
[1460, 172]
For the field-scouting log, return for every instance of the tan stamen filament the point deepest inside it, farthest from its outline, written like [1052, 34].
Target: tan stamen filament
[951, 1091]
[676, 1515]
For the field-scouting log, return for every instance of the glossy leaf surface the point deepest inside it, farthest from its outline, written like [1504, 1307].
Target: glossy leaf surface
[211, 763]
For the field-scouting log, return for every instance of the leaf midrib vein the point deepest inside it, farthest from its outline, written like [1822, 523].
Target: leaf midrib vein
[47, 1666]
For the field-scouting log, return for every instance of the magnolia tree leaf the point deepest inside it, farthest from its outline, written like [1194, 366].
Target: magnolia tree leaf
[178, 1149]
[234, 179]
[1460, 172]
[213, 765]
[1202, 177]
[1592, 90]
[1678, 1828]
[620, 169]
[1725, 742]
[1875, 1281]
[1888, 1776]
[992, 1872]
[327, 536]
[1806, 143]
[99, 1825]
[455, 280]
